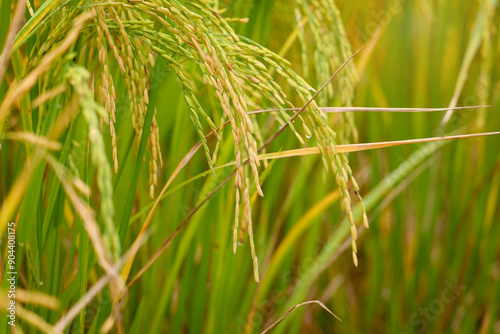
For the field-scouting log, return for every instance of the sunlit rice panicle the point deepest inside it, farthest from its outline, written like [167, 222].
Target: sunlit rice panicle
[215, 65]
[250, 232]
[239, 72]
[54, 35]
[194, 107]
[111, 39]
[106, 88]
[135, 53]
[356, 191]
[330, 48]
[316, 121]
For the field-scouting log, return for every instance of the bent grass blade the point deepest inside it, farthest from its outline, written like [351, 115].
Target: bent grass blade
[369, 146]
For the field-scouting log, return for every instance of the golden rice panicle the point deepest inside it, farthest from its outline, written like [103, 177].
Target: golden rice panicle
[316, 120]
[107, 90]
[250, 232]
[329, 49]
[239, 188]
[348, 172]
[342, 171]
[154, 140]
[235, 108]
[136, 76]
[101, 15]
[356, 191]
[224, 80]
[190, 30]
[238, 71]
[251, 69]
[194, 108]
[341, 179]
[55, 33]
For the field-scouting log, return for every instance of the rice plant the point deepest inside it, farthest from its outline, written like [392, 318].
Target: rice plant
[112, 221]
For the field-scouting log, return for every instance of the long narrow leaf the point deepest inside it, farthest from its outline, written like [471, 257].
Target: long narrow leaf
[368, 146]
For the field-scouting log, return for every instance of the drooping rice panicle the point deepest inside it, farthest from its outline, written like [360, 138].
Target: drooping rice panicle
[330, 47]
[106, 88]
[236, 68]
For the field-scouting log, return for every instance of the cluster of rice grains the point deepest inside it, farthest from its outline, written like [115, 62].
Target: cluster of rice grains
[117, 28]
[236, 68]
[323, 39]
